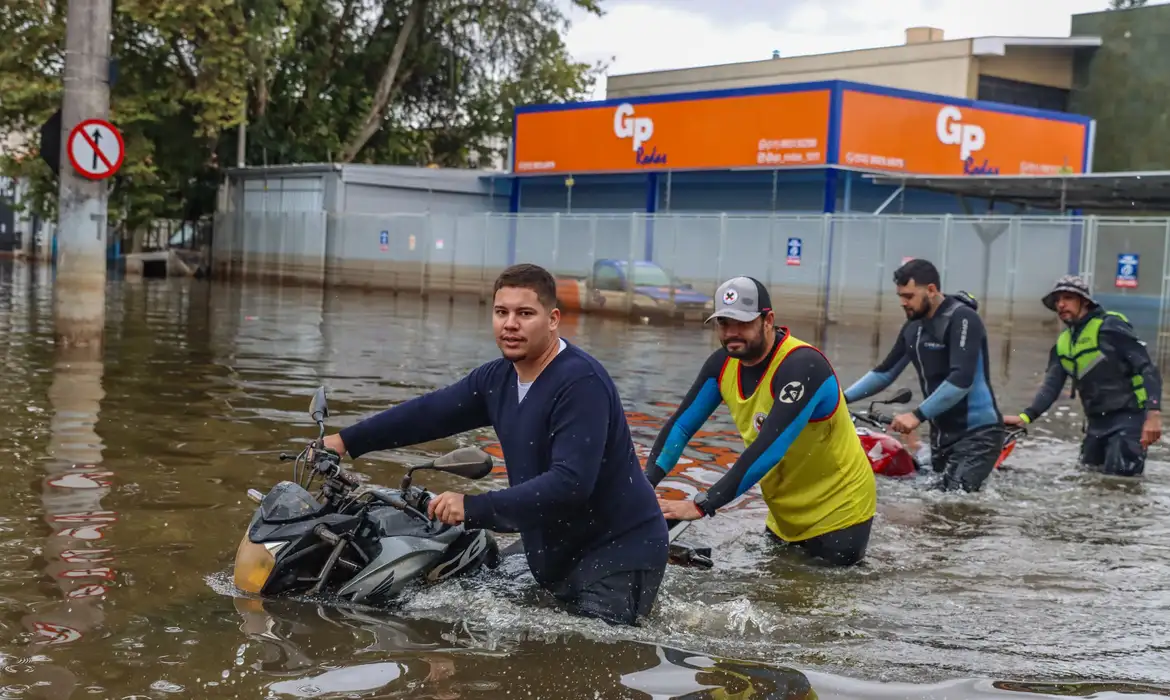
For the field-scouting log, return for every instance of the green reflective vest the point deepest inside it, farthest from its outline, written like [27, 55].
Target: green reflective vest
[1080, 357]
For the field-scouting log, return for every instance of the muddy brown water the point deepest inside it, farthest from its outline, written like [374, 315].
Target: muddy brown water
[126, 475]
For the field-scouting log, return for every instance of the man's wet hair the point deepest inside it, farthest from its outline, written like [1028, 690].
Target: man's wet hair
[921, 272]
[529, 276]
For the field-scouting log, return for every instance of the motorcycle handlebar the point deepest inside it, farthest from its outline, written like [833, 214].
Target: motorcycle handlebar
[328, 463]
[874, 418]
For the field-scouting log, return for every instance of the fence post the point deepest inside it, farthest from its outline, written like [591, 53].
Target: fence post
[1009, 293]
[556, 241]
[454, 257]
[826, 274]
[842, 278]
[673, 254]
[483, 283]
[772, 233]
[592, 241]
[630, 264]
[883, 239]
[948, 227]
[719, 257]
[425, 258]
[1088, 252]
[1162, 333]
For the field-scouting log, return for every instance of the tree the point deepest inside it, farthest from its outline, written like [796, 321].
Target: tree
[1125, 4]
[376, 81]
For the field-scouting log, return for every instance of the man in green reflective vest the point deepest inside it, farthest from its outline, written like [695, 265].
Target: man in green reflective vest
[1119, 386]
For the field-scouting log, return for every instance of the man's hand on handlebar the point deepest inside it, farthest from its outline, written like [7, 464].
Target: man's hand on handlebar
[447, 507]
[904, 423]
[334, 442]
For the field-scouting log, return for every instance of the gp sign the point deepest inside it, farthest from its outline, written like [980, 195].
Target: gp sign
[627, 126]
[951, 131]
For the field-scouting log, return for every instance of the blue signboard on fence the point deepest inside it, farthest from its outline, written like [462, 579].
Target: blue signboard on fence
[1127, 270]
[794, 246]
[384, 240]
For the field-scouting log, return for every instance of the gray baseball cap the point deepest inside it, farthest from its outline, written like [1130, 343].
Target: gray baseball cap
[741, 299]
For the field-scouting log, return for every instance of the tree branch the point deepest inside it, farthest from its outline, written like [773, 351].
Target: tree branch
[188, 69]
[373, 119]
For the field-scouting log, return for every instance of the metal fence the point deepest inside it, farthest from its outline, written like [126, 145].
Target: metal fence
[831, 267]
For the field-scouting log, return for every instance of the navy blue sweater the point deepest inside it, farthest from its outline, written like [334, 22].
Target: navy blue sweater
[576, 495]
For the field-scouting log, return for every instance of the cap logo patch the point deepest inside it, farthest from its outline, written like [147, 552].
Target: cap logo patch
[730, 297]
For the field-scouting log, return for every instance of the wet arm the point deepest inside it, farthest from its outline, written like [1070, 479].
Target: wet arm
[881, 376]
[784, 423]
[965, 343]
[1046, 395]
[1119, 337]
[439, 414]
[579, 424]
[697, 406]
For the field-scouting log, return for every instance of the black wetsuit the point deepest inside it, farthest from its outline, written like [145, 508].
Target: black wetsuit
[1113, 430]
[949, 351]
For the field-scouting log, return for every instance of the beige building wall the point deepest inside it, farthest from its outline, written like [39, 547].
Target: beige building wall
[941, 67]
[1030, 64]
[925, 63]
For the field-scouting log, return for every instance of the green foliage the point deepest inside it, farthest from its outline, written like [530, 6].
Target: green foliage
[1125, 4]
[317, 79]
[1124, 85]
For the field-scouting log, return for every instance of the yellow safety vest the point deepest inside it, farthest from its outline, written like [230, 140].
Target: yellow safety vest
[1081, 356]
[824, 482]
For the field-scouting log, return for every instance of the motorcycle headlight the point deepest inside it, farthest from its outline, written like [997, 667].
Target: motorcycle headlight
[254, 564]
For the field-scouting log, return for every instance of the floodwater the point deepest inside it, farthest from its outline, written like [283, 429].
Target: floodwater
[126, 479]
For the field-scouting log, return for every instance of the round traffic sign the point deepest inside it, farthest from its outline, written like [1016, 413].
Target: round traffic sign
[96, 149]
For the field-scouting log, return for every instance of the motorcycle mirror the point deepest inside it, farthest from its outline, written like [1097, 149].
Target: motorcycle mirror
[903, 396]
[467, 462]
[319, 407]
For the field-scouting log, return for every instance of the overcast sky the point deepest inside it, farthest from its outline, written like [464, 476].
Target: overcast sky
[645, 35]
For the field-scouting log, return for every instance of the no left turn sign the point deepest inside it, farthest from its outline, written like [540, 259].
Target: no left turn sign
[96, 149]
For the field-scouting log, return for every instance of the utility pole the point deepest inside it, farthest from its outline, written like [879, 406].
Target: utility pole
[79, 307]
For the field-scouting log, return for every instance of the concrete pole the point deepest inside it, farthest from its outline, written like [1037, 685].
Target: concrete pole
[80, 299]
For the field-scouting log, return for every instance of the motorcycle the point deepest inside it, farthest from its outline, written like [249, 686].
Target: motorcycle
[888, 456]
[360, 543]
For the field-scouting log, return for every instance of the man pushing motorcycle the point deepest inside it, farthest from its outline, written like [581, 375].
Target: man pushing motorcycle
[592, 532]
[945, 340]
[800, 443]
[1120, 387]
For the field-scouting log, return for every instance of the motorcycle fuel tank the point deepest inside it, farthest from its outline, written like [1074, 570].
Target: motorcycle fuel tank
[399, 562]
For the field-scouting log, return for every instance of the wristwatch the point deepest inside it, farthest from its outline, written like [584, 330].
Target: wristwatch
[701, 502]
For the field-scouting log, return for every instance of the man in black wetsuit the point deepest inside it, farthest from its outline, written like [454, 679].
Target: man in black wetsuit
[800, 444]
[1120, 387]
[946, 341]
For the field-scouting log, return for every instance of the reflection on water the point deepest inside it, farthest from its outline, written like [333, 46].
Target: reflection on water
[127, 476]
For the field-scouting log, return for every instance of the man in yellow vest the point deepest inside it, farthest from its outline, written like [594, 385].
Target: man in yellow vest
[1119, 386]
[800, 443]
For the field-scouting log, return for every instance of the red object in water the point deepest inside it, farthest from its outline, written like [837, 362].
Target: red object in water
[887, 455]
[1007, 450]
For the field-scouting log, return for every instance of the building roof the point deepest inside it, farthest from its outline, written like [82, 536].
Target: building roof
[998, 45]
[1129, 191]
[980, 46]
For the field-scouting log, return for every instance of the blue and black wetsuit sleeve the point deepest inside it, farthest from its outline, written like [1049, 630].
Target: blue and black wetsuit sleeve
[880, 377]
[1049, 391]
[1117, 339]
[965, 341]
[697, 406]
[805, 389]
